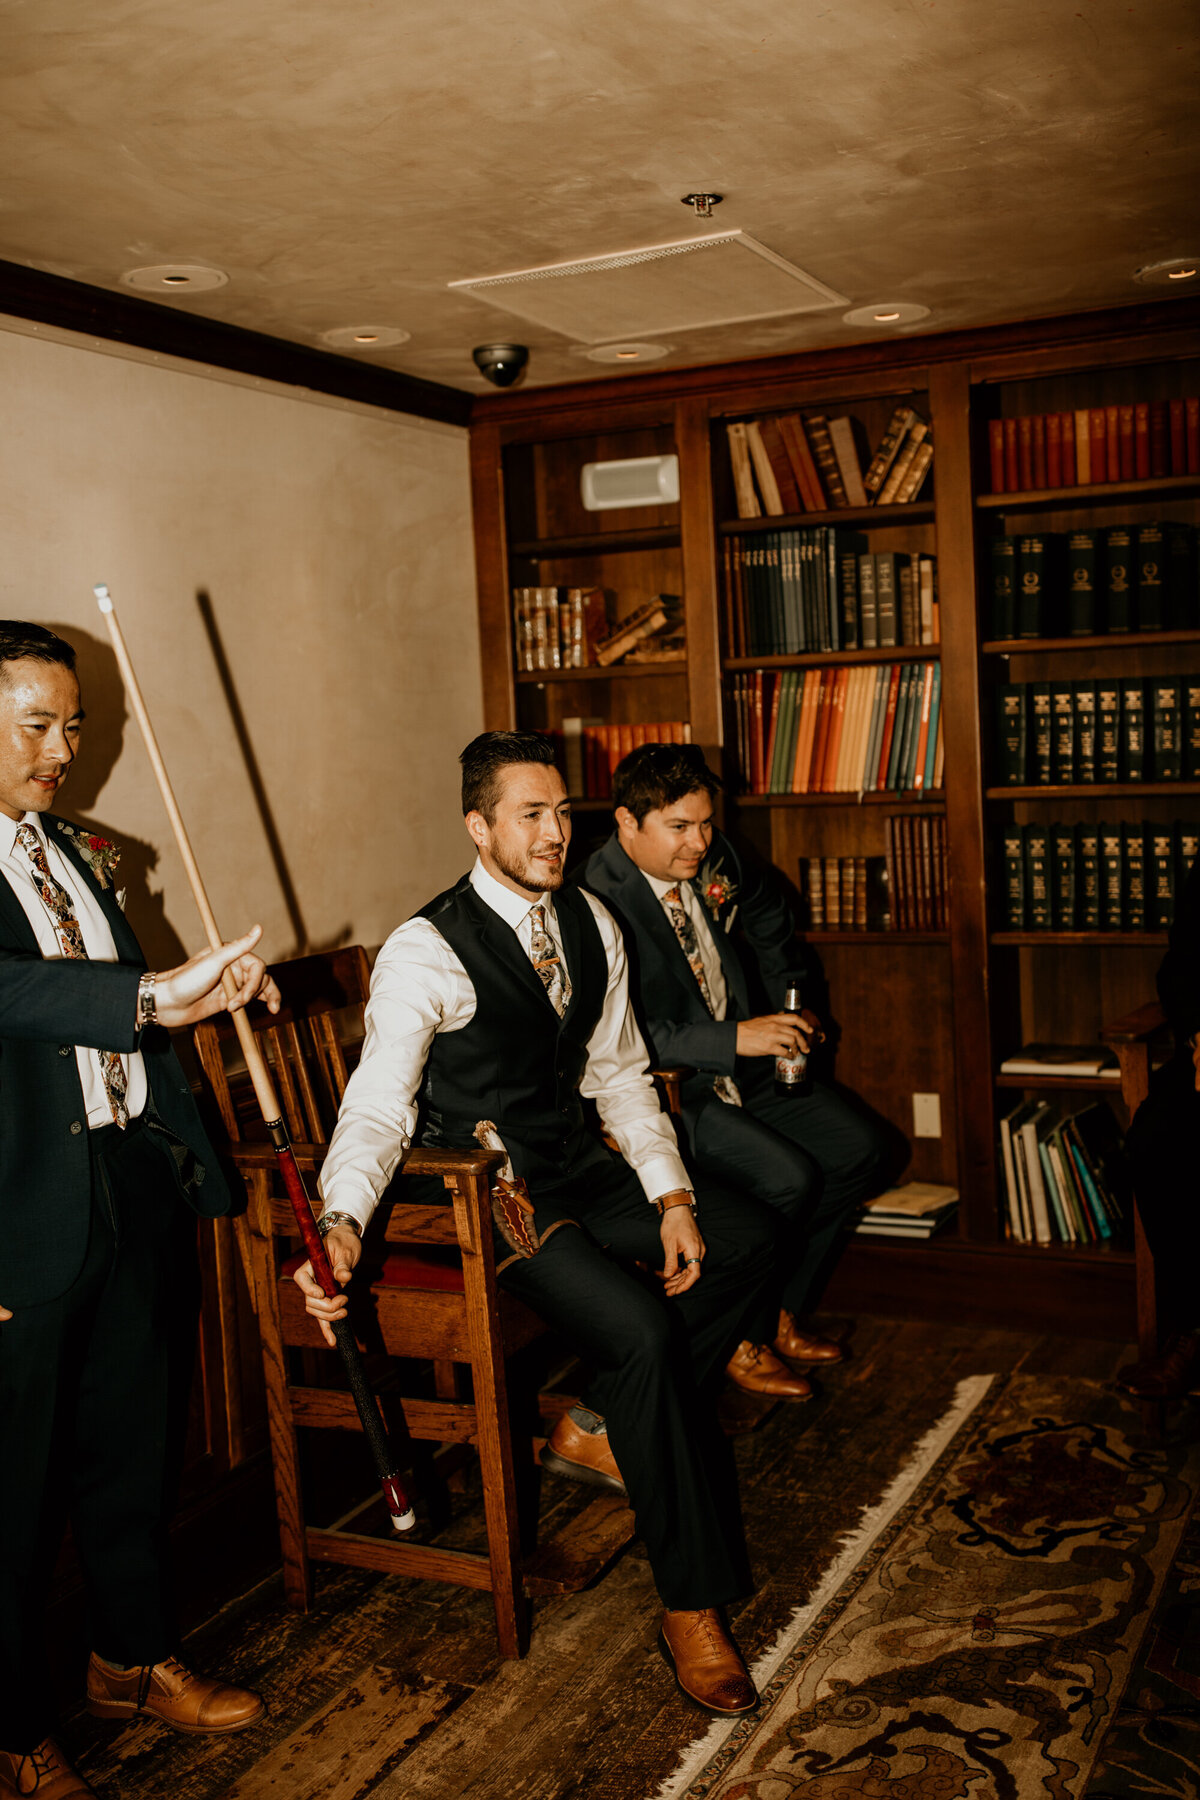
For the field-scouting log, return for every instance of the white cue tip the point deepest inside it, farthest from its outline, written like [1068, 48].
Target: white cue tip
[102, 599]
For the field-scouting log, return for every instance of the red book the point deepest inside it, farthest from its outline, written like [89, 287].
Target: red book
[772, 727]
[821, 731]
[1011, 460]
[756, 734]
[923, 730]
[1125, 446]
[1141, 439]
[1178, 439]
[1038, 434]
[1054, 468]
[996, 453]
[1160, 448]
[834, 741]
[1098, 439]
[1191, 414]
[1068, 450]
[1112, 441]
[889, 726]
[1025, 453]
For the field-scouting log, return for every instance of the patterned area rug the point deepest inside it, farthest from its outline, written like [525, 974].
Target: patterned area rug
[975, 1638]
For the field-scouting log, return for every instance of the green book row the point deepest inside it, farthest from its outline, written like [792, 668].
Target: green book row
[820, 587]
[1087, 583]
[1106, 877]
[1062, 733]
[1065, 1177]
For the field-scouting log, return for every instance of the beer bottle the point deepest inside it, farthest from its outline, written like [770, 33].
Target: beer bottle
[791, 1072]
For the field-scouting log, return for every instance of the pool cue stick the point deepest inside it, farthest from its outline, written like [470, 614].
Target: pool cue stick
[399, 1508]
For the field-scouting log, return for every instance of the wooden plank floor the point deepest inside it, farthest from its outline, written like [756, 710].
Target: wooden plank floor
[393, 1689]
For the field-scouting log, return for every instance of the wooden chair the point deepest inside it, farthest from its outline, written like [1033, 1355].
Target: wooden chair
[1132, 1039]
[433, 1299]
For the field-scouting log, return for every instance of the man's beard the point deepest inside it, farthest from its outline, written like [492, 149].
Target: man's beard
[528, 874]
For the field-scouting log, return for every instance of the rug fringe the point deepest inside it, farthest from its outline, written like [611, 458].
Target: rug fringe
[853, 1546]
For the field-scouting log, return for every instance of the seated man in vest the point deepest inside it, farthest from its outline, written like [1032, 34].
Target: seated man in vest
[678, 887]
[506, 999]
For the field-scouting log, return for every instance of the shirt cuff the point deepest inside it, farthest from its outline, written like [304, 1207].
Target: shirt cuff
[661, 1175]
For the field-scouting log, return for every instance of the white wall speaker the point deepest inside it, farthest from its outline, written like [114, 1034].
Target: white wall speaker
[634, 481]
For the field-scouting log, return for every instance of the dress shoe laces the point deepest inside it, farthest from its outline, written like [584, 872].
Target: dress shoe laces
[45, 1762]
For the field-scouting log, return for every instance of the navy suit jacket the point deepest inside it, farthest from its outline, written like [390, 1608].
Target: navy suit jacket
[754, 934]
[47, 1007]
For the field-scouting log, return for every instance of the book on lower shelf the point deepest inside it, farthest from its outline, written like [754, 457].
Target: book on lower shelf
[1095, 581]
[916, 1209]
[1088, 446]
[845, 893]
[589, 750]
[1105, 876]
[558, 627]
[792, 462]
[1064, 1175]
[1092, 1060]
[866, 728]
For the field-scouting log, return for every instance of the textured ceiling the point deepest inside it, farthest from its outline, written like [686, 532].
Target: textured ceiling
[989, 159]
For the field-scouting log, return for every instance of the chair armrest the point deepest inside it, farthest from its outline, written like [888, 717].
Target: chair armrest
[248, 1157]
[421, 1161]
[1138, 1027]
[670, 1082]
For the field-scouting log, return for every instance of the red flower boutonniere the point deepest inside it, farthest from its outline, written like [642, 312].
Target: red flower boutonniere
[716, 889]
[100, 854]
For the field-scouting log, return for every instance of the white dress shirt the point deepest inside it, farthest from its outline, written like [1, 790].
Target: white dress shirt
[710, 957]
[419, 988]
[97, 939]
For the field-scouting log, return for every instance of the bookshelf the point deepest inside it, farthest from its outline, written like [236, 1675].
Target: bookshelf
[914, 1011]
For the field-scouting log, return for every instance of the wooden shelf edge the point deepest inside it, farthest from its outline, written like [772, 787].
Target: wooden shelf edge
[1116, 640]
[674, 665]
[1092, 1084]
[1098, 940]
[652, 537]
[823, 934]
[813, 659]
[932, 802]
[957, 1245]
[1093, 790]
[1104, 490]
[845, 515]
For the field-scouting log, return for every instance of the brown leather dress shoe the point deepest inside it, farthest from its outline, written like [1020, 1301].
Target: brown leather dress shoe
[759, 1371]
[1167, 1377]
[169, 1692]
[705, 1661]
[44, 1772]
[581, 1455]
[804, 1346]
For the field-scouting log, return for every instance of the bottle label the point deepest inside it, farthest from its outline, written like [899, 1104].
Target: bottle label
[791, 1070]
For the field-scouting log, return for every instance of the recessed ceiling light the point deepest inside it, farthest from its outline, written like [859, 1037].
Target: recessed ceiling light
[1174, 270]
[622, 353]
[175, 278]
[365, 337]
[885, 313]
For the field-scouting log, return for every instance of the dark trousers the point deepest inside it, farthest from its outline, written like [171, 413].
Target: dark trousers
[655, 1363]
[1163, 1144]
[810, 1156]
[83, 1431]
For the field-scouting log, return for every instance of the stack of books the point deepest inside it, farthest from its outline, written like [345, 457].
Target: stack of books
[873, 728]
[1063, 733]
[1095, 581]
[820, 587]
[1065, 1178]
[1138, 441]
[1095, 877]
[916, 866]
[915, 1210]
[557, 627]
[846, 893]
[1091, 1060]
[589, 750]
[796, 464]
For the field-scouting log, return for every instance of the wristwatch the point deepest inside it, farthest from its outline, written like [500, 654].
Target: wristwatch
[688, 1200]
[328, 1220]
[147, 1006]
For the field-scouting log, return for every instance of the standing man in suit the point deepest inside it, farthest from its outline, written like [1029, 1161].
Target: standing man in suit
[99, 1138]
[506, 999]
[678, 887]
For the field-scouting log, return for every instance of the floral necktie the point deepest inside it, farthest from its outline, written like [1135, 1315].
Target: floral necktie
[59, 905]
[546, 961]
[724, 1086]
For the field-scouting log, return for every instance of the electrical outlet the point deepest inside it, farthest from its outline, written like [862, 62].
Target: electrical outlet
[927, 1115]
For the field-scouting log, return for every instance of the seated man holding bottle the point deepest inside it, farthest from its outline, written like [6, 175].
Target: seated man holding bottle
[751, 1117]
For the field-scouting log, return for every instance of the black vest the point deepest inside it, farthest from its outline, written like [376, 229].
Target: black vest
[516, 1063]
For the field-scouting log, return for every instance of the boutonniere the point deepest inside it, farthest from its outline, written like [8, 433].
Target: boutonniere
[100, 854]
[716, 889]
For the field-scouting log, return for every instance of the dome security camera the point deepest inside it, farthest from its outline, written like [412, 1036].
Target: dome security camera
[501, 364]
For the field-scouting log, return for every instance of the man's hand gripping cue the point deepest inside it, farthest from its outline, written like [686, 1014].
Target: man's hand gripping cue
[683, 1247]
[343, 1248]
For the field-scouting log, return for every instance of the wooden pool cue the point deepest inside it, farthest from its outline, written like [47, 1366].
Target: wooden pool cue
[402, 1516]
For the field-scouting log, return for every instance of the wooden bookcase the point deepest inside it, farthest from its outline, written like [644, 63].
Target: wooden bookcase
[924, 1012]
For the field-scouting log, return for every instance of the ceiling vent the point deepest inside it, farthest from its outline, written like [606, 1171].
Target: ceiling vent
[725, 279]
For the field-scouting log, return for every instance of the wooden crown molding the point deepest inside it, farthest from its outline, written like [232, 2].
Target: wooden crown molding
[125, 319]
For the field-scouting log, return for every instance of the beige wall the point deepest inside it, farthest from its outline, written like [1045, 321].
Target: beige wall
[334, 545]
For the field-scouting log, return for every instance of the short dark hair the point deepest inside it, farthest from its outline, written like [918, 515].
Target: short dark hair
[18, 639]
[656, 775]
[486, 755]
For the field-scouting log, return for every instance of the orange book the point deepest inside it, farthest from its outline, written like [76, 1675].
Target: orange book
[1112, 441]
[837, 726]
[804, 737]
[939, 755]
[923, 729]
[857, 708]
[1067, 432]
[846, 706]
[804, 466]
[889, 726]
[821, 734]
[1141, 440]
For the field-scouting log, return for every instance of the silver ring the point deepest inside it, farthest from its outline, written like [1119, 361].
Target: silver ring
[693, 1262]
